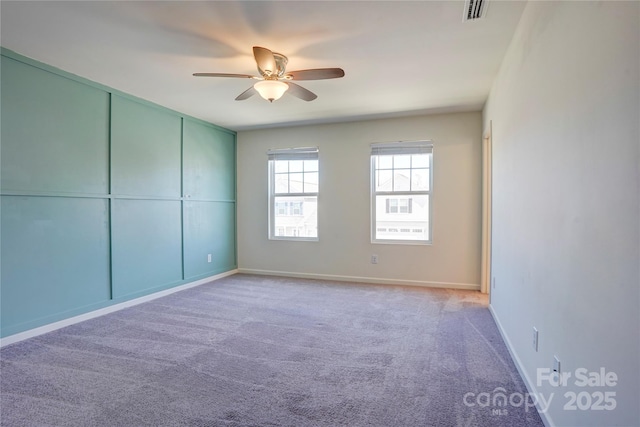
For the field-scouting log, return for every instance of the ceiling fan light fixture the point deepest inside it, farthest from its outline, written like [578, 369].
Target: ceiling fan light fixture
[271, 90]
[272, 69]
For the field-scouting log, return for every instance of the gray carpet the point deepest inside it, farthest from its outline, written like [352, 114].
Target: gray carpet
[260, 351]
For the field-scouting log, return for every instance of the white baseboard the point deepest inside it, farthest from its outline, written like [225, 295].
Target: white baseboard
[376, 280]
[112, 308]
[546, 418]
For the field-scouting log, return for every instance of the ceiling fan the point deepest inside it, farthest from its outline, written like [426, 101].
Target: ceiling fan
[275, 80]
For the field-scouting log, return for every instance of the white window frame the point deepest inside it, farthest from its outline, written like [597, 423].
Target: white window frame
[306, 153]
[402, 147]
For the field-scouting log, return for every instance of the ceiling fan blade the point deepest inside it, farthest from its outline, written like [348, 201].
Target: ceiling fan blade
[246, 94]
[265, 60]
[300, 92]
[317, 74]
[242, 76]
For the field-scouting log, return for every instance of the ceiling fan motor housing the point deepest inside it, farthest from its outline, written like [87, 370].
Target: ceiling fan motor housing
[281, 65]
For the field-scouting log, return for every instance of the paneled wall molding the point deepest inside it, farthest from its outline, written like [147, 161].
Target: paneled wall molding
[53, 194]
[105, 197]
[58, 72]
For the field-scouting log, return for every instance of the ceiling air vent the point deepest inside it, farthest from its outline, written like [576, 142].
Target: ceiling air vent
[474, 9]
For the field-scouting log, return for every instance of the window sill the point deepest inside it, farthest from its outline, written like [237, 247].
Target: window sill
[294, 239]
[403, 242]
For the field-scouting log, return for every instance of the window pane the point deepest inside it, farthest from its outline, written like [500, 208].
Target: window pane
[384, 162]
[311, 182]
[295, 182]
[401, 180]
[420, 161]
[310, 165]
[295, 165]
[390, 226]
[281, 183]
[384, 181]
[301, 219]
[402, 161]
[420, 180]
[281, 166]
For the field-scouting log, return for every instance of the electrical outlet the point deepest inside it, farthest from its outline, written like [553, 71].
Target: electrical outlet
[493, 282]
[374, 259]
[556, 365]
[535, 339]
[208, 257]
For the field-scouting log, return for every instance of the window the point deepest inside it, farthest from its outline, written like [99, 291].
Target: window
[401, 192]
[293, 194]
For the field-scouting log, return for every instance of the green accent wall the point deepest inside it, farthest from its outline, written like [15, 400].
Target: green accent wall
[145, 150]
[55, 256]
[201, 236]
[204, 163]
[55, 132]
[146, 245]
[104, 197]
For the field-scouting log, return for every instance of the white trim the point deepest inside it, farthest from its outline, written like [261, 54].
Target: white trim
[487, 187]
[373, 280]
[102, 311]
[546, 418]
[271, 216]
[373, 193]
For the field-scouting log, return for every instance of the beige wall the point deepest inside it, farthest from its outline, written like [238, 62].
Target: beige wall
[344, 249]
[565, 110]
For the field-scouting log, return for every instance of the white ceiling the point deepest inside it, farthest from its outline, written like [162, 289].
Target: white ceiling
[400, 57]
